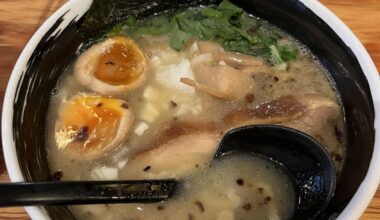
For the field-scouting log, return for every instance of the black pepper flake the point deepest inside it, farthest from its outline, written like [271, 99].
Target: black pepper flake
[240, 182]
[147, 168]
[196, 165]
[57, 176]
[338, 134]
[81, 134]
[260, 190]
[249, 98]
[276, 78]
[99, 104]
[160, 207]
[200, 206]
[125, 105]
[338, 158]
[110, 63]
[247, 206]
[190, 217]
[173, 103]
[267, 200]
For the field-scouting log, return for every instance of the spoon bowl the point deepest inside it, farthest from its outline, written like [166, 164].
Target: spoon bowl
[304, 159]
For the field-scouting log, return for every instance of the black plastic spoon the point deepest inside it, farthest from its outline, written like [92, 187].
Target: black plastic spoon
[305, 160]
[85, 192]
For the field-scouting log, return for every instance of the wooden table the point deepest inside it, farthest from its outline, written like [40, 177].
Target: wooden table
[19, 19]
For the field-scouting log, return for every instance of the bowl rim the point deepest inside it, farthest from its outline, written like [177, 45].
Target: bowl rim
[73, 8]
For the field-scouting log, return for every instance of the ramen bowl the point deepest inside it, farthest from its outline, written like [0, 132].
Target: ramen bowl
[56, 43]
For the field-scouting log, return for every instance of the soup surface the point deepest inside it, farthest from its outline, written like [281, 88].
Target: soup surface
[238, 187]
[146, 102]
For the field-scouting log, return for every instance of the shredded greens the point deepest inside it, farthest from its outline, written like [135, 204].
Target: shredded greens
[226, 23]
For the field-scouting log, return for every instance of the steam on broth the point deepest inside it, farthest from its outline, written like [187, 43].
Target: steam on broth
[150, 101]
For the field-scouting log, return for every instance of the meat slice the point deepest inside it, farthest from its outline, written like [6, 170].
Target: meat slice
[310, 110]
[218, 79]
[221, 81]
[223, 74]
[313, 114]
[231, 58]
[284, 109]
[175, 158]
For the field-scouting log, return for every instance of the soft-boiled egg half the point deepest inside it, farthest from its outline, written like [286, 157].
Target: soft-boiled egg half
[111, 67]
[89, 126]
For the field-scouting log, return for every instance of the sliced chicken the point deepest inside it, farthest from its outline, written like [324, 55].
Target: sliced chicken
[313, 114]
[312, 110]
[179, 149]
[205, 88]
[231, 58]
[176, 158]
[218, 79]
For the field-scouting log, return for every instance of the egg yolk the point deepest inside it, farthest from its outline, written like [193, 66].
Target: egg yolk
[121, 63]
[88, 123]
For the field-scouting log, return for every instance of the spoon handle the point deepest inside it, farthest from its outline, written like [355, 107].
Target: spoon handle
[85, 192]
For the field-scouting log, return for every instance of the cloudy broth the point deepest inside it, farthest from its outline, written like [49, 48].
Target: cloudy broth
[237, 187]
[179, 117]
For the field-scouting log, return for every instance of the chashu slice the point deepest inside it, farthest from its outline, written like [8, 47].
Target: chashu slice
[306, 112]
[219, 79]
[313, 114]
[179, 151]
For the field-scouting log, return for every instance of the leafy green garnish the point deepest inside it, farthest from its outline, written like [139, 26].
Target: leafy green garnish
[228, 6]
[211, 13]
[276, 56]
[225, 23]
[288, 53]
[178, 39]
[131, 22]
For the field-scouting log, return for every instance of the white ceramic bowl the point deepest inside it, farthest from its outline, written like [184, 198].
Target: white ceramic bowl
[77, 8]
